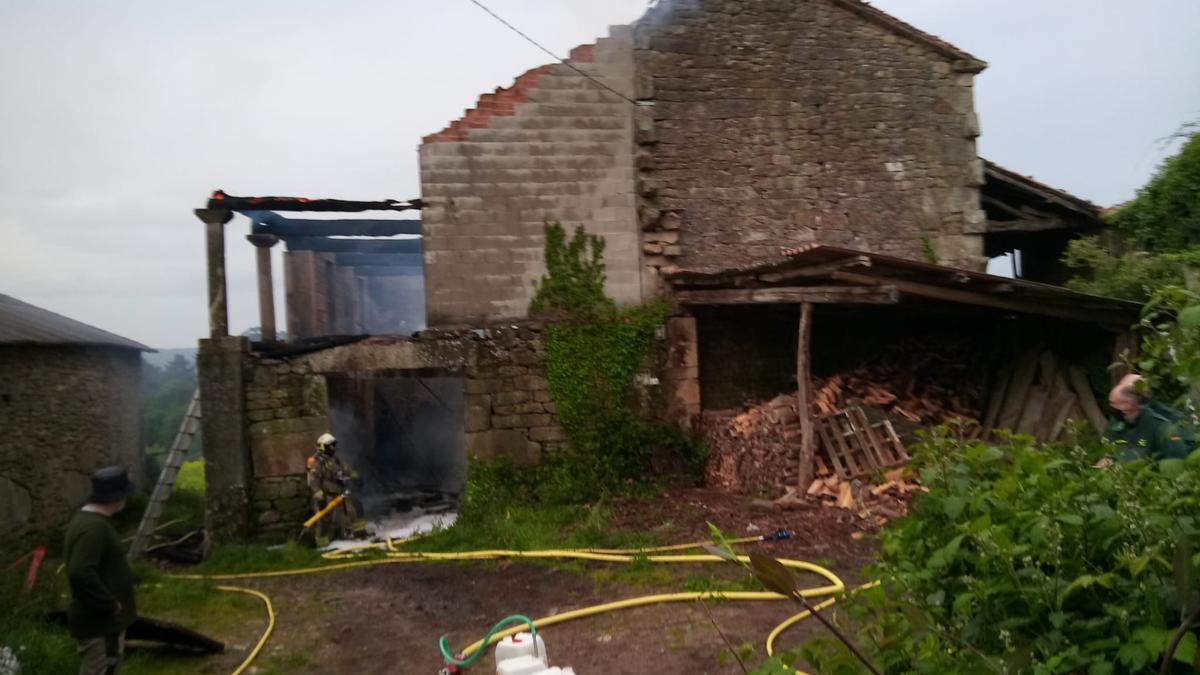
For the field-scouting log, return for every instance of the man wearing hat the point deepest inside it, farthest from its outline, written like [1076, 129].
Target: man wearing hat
[102, 604]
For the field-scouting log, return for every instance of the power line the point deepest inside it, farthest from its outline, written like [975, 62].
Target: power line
[535, 43]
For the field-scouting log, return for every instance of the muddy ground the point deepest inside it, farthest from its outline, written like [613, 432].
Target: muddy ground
[387, 618]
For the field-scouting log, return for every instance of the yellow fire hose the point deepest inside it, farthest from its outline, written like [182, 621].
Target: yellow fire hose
[835, 586]
[333, 504]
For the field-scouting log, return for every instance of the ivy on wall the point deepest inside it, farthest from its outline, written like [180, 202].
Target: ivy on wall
[593, 352]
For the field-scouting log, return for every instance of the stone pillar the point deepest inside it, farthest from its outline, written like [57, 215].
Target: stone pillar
[682, 374]
[266, 284]
[218, 308]
[227, 470]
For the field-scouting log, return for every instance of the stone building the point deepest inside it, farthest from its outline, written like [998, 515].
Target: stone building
[69, 404]
[748, 159]
[719, 133]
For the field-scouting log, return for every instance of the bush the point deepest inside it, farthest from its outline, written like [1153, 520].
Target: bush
[1024, 558]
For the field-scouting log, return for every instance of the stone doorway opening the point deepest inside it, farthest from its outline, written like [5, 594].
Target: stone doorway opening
[403, 431]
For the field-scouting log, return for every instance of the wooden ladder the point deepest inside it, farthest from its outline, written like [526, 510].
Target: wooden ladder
[166, 480]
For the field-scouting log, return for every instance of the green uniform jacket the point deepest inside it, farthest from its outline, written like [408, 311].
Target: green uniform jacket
[101, 581]
[1154, 434]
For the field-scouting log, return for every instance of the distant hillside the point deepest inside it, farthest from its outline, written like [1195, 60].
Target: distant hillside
[164, 356]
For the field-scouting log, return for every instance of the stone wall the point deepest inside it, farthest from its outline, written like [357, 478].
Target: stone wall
[777, 124]
[507, 411]
[65, 411]
[554, 146]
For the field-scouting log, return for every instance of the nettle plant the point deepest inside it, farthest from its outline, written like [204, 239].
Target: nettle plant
[1028, 559]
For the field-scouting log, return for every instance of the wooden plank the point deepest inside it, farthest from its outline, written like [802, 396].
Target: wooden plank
[1048, 369]
[1087, 400]
[901, 453]
[1062, 410]
[804, 397]
[1035, 404]
[1000, 382]
[1026, 369]
[1055, 394]
[983, 299]
[880, 295]
[871, 440]
[823, 428]
[839, 436]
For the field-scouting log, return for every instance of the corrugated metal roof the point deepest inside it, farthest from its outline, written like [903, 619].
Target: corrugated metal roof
[23, 323]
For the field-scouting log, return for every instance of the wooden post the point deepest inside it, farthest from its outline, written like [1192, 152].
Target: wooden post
[218, 307]
[266, 284]
[803, 397]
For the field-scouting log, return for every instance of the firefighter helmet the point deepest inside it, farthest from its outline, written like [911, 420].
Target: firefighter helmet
[326, 442]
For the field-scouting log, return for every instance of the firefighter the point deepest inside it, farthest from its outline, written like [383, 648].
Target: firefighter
[329, 477]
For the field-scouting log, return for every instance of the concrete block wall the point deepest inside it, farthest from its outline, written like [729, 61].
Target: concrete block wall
[777, 124]
[552, 147]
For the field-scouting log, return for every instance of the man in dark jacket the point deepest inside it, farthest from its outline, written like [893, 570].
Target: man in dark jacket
[102, 604]
[1145, 427]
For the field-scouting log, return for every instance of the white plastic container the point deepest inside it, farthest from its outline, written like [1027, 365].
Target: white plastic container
[521, 665]
[557, 671]
[521, 644]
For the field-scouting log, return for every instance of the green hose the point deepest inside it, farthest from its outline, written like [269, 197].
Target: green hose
[449, 658]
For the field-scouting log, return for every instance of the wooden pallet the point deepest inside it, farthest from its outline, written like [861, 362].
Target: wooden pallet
[857, 447]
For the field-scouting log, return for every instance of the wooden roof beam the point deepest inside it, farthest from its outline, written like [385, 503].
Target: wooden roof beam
[1109, 320]
[876, 295]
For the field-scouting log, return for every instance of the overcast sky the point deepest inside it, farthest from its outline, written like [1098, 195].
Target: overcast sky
[118, 118]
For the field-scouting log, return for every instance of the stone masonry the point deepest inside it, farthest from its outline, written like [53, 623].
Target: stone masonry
[508, 411]
[554, 147]
[760, 126]
[781, 123]
[66, 411]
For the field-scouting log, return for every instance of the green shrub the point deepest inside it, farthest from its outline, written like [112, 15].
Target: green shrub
[1026, 558]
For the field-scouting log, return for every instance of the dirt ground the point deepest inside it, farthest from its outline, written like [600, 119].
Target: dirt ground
[387, 618]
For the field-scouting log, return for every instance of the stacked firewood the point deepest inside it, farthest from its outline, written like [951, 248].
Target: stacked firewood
[909, 381]
[754, 451]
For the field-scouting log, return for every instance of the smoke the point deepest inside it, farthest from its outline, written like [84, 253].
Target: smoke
[403, 433]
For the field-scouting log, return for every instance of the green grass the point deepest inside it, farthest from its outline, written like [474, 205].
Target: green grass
[526, 528]
[41, 646]
[239, 558]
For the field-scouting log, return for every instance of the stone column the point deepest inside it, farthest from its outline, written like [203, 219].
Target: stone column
[682, 374]
[227, 469]
[218, 308]
[266, 284]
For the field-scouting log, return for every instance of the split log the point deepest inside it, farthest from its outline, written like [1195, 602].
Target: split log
[1087, 400]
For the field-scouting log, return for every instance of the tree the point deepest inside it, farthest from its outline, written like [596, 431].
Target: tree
[1154, 238]
[1165, 216]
